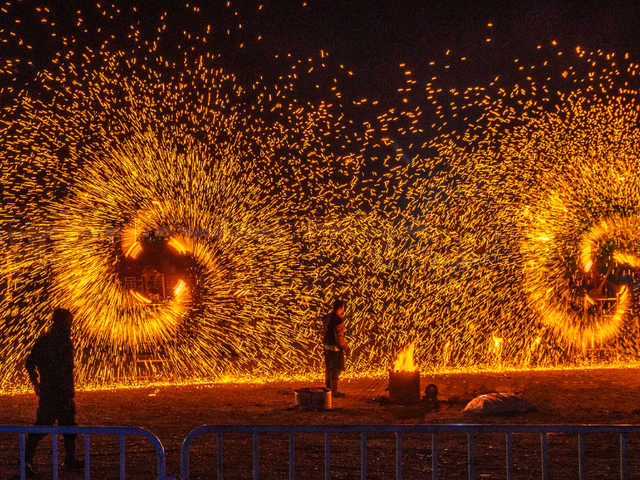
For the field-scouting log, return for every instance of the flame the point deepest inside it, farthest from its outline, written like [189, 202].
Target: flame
[404, 362]
[497, 342]
[134, 250]
[179, 287]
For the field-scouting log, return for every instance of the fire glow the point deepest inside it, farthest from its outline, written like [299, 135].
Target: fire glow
[404, 361]
[446, 266]
[404, 379]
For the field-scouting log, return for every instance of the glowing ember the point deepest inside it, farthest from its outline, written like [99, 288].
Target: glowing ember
[497, 225]
[404, 361]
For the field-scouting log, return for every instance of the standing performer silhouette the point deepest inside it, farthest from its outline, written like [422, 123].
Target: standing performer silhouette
[335, 347]
[51, 359]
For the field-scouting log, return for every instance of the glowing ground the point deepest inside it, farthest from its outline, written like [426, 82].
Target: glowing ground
[562, 396]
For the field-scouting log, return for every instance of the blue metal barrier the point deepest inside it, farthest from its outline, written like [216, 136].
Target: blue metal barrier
[328, 430]
[399, 430]
[87, 431]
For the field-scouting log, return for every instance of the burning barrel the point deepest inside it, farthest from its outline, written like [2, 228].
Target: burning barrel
[404, 387]
[404, 379]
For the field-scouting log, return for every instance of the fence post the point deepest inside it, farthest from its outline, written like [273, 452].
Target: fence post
[543, 454]
[219, 452]
[22, 461]
[623, 456]
[256, 464]
[363, 456]
[292, 456]
[122, 475]
[87, 466]
[398, 456]
[54, 441]
[509, 456]
[434, 456]
[472, 466]
[327, 456]
[581, 457]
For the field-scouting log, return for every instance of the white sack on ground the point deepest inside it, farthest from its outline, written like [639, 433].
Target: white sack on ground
[498, 404]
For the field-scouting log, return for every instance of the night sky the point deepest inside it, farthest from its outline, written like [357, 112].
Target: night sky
[366, 48]
[371, 39]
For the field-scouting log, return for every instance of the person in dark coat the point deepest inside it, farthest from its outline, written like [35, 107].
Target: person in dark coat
[335, 347]
[50, 368]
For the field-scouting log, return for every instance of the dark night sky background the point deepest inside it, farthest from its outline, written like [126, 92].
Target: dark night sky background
[371, 38]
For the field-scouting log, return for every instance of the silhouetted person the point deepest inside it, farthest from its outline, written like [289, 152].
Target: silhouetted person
[335, 347]
[51, 359]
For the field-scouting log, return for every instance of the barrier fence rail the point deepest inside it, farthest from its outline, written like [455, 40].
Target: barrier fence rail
[87, 432]
[363, 430]
[399, 430]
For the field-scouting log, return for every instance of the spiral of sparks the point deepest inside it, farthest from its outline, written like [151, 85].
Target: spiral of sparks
[569, 216]
[507, 240]
[119, 160]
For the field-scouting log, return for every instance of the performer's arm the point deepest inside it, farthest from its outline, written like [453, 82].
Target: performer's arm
[340, 339]
[31, 366]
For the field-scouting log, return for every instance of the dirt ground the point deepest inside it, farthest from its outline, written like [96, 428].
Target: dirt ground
[593, 396]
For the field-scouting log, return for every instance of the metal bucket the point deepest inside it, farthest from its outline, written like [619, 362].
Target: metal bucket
[404, 387]
[313, 398]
